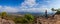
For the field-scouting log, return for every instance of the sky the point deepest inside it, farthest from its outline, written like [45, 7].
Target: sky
[28, 5]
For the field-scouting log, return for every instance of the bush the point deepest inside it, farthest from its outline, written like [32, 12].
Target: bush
[20, 20]
[29, 17]
[3, 14]
[58, 12]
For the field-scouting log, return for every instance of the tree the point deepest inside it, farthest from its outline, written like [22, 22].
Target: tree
[52, 9]
[3, 14]
[58, 10]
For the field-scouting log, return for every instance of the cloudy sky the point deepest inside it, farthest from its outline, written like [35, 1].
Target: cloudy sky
[28, 5]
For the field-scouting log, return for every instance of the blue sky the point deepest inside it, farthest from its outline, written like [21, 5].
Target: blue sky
[28, 5]
[11, 2]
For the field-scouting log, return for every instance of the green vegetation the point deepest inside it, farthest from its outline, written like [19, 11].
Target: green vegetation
[20, 20]
[58, 10]
[3, 14]
[28, 18]
[53, 9]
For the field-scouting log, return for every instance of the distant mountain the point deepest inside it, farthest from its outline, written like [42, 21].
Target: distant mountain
[33, 13]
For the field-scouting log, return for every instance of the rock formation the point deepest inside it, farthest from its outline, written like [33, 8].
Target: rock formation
[4, 21]
[50, 20]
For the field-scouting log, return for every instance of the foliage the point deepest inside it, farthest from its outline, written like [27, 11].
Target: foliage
[29, 17]
[58, 12]
[20, 20]
[52, 9]
[3, 14]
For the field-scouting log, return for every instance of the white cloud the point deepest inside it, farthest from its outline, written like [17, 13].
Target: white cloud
[0, 6]
[8, 9]
[39, 9]
[32, 6]
[42, 9]
[28, 3]
[29, 6]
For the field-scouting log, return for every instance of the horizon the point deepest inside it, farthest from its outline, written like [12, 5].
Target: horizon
[28, 5]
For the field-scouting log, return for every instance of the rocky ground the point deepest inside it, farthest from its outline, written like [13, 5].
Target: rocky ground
[50, 20]
[5, 21]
